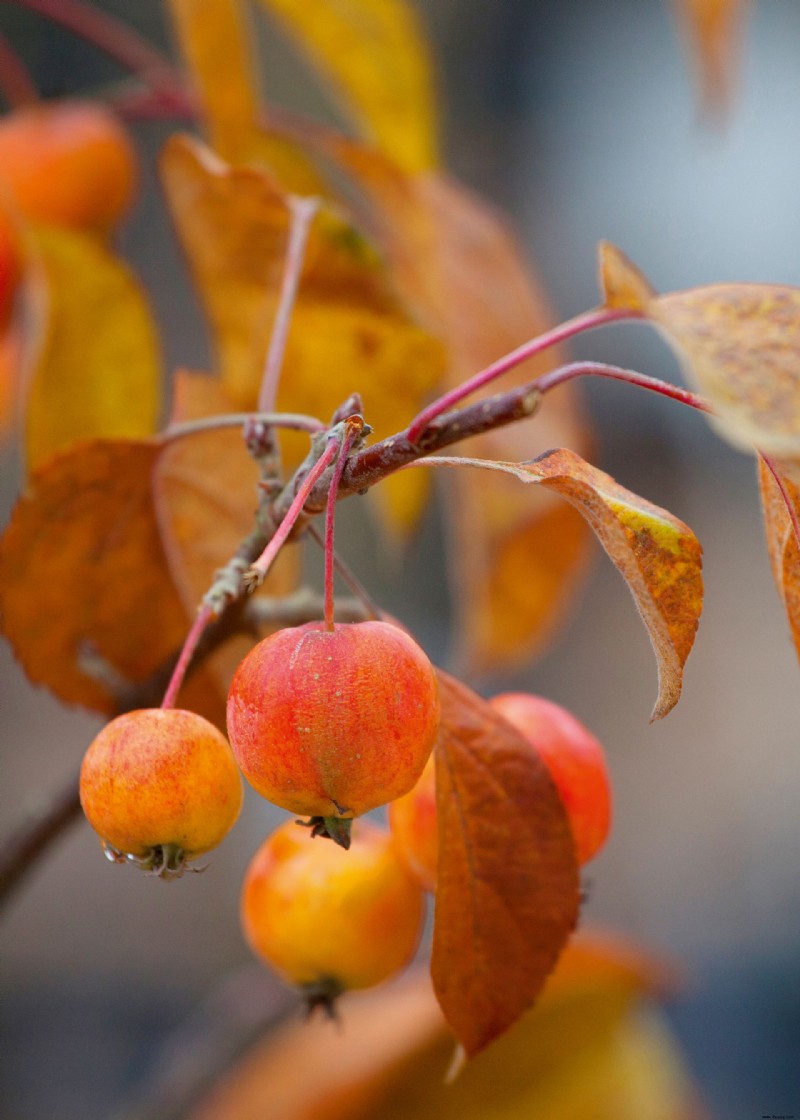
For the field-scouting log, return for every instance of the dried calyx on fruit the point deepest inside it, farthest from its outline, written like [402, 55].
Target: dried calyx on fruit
[330, 723]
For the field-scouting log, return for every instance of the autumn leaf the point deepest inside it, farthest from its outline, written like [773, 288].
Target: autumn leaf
[507, 882]
[780, 503]
[658, 556]
[216, 38]
[86, 598]
[621, 282]
[92, 352]
[205, 494]
[349, 330]
[740, 346]
[712, 30]
[592, 1046]
[374, 54]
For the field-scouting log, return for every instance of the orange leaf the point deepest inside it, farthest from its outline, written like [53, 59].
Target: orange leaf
[215, 37]
[84, 581]
[784, 553]
[712, 29]
[93, 355]
[375, 55]
[621, 282]
[740, 344]
[507, 886]
[659, 557]
[205, 490]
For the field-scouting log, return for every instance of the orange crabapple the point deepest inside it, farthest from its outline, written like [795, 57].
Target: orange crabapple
[330, 723]
[330, 920]
[160, 786]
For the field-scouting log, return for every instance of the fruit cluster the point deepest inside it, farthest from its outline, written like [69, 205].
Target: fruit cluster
[327, 724]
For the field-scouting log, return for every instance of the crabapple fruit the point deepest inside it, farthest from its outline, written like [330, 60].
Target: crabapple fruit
[332, 723]
[160, 786]
[576, 762]
[329, 920]
[69, 163]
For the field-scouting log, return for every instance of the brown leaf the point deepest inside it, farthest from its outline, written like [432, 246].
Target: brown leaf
[778, 496]
[349, 331]
[740, 345]
[507, 885]
[621, 282]
[85, 593]
[712, 30]
[93, 354]
[375, 56]
[216, 38]
[659, 556]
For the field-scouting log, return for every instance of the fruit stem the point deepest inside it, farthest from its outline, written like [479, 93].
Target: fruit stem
[114, 38]
[301, 211]
[566, 373]
[349, 577]
[17, 85]
[597, 317]
[259, 568]
[202, 619]
[354, 425]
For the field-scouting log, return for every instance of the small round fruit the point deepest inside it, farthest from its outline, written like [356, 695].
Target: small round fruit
[160, 786]
[69, 163]
[576, 762]
[333, 723]
[329, 920]
[412, 819]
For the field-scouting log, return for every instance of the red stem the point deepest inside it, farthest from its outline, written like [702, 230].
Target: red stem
[17, 85]
[113, 37]
[204, 616]
[597, 317]
[267, 557]
[563, 374]
[353, 429]
[302, 211]
[787, 497]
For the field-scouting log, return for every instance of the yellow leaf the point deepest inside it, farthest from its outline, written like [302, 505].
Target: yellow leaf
[621, 282]
[349, 331]
[740, 345]
[780, 503]
[374, 54]
[659, 557]
[215, 37]
[93, 353]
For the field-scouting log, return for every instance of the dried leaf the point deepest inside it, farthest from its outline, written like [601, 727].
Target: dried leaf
[507, 885]
[712, 30]
[374, 54]
[94, 360]
[740, 344]
[215, 37]
[779, 496]
[658, 555]
[586, 1050]
[349, 331]
[85, 593]
[621, 282]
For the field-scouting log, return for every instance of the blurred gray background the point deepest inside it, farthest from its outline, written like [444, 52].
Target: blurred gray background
[580, 119]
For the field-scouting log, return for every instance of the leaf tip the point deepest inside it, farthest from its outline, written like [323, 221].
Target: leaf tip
[622, 285]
